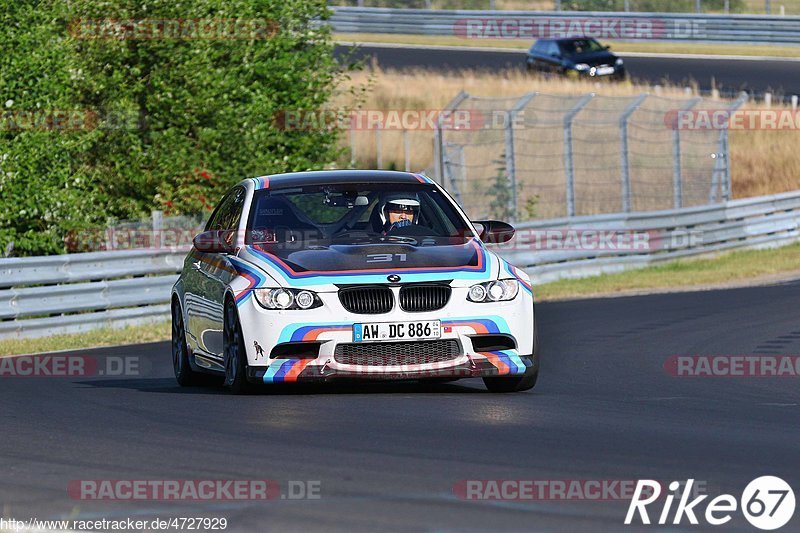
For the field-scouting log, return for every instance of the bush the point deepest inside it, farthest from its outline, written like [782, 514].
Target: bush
[170, 112]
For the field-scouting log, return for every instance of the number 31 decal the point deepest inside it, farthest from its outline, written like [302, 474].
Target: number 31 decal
[385, 258]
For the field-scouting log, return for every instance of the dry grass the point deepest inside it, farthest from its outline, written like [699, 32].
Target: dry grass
[432, 90]
[763, 162]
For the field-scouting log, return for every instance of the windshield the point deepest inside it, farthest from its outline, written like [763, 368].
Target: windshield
[580, 47]
[354, 213]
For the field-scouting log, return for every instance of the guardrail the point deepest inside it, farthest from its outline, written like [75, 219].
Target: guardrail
[42, 296]
[486, 25]
[761, 222]
[76, 292]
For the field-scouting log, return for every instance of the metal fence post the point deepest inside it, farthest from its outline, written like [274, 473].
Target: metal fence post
[406, 158]
[725, 151]
[352, 146]
[625, 176]
[440, 146]
[462, 173]
[158, 226]
[511, 159]
[378, 154]
[438, 155]
[449, 182]
[569, 169]
[677, 178]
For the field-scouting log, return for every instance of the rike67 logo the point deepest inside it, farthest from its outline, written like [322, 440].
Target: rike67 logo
[767, 503]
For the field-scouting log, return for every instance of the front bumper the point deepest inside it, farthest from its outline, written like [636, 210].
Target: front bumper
[461, 321]
[618, 73]
[478, 365]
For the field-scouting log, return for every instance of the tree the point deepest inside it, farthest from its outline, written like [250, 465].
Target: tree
[174, 101]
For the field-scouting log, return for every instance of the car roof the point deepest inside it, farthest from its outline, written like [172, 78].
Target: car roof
[566, 39]
[323, 177]
[572, 39]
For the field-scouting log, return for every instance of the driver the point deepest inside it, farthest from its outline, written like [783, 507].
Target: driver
[399, 211]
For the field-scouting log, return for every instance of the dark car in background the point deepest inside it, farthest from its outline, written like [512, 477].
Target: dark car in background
[576, 55]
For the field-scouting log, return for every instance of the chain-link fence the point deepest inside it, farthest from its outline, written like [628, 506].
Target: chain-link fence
[545, 156]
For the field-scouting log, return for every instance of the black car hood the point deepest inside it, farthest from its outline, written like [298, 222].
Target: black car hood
[330, 258]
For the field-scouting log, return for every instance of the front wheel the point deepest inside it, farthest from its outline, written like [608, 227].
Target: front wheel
[235, 354]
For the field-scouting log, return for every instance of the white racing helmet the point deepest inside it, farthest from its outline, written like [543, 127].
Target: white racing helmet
[400, 201]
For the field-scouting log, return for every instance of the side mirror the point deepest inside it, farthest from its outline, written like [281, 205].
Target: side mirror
[215, 241]
[607, 47]
[495, 232]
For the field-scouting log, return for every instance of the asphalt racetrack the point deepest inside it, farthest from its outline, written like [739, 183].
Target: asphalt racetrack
[387, 457]
[780, 76]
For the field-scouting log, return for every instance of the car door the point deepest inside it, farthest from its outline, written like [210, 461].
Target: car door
[210, 274]
[536, 56]
[552, 60]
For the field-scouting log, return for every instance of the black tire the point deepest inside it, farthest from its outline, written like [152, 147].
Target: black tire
[235, 354]
[184, 374]
[524, 382]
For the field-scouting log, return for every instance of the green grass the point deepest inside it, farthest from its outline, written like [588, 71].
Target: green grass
[157, 331]
[617, 46]
[722, 269]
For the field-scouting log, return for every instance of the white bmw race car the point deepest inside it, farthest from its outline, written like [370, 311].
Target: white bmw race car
[318, 276]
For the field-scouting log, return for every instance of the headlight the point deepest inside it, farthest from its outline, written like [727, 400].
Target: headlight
[287, 299]
[619, 62]
[582, 66]
[304, 299]
[477, 293]
[494, 291]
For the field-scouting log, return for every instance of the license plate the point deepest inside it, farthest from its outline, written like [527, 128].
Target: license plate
[603, 71]
[397, 331]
